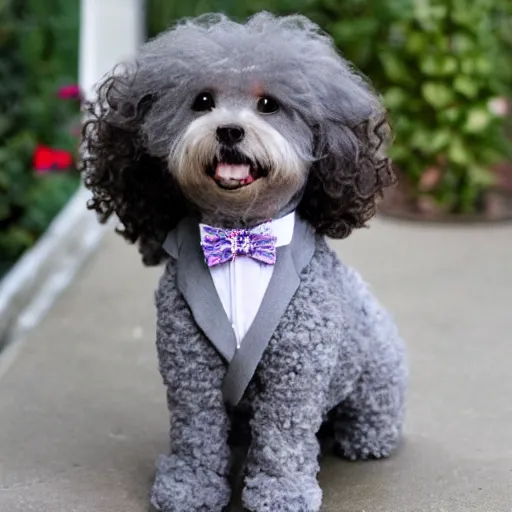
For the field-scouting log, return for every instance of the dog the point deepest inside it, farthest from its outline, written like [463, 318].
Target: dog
[230, 151]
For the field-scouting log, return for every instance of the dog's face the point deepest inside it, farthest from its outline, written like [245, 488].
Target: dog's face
[243, 153]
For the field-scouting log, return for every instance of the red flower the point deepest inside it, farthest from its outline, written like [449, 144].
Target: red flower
[69, 92]
[47, 159]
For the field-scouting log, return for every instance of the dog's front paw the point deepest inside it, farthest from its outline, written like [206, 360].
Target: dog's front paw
[296, 493]
[181, 486]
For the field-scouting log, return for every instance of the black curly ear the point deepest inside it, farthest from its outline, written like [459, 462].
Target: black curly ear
[348, 177]
[124, 178]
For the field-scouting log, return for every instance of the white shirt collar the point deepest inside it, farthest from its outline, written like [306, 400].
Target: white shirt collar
[282, 229]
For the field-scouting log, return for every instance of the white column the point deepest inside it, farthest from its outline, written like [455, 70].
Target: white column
[110, 31]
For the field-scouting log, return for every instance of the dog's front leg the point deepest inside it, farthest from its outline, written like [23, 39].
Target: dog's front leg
[283, 458]
[193, 477]
[282, 463]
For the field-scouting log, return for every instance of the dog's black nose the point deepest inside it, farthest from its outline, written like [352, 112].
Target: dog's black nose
[230, 134]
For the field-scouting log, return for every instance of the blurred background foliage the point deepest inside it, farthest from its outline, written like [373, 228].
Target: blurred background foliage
[38, 54]
[444, 68]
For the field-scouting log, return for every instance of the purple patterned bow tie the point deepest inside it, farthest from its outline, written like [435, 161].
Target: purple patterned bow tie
[222, 245]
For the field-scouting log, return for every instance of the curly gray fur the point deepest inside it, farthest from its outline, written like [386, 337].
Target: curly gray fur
[335, 358]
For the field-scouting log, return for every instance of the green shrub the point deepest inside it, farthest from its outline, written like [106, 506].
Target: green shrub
[439, 64]
[38, 54]
[442, 71]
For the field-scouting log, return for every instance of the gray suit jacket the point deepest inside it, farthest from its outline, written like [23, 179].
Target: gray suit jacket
[196, 285]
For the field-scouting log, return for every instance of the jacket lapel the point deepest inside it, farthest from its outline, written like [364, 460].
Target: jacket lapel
[291, 260]
[196, 285]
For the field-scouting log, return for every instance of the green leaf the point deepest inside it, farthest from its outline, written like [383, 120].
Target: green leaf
[428, 13]
[14, 241]
[483, 65]
[439, 12]
[463, 15]
[450, 115]
[440, 139]
[449, 65]
[429, 65]
[417, 43]
[477, 120]
[458, 153]
[481, 176]
[344, 30]
[462, 43]
[399, 152]
[466, 86]
[435, 65]
[468, 66]
[46, 199]
[395, 68]
[430, 143]
[395, 97]
[420, 139]
[491, 155]
[438, 95]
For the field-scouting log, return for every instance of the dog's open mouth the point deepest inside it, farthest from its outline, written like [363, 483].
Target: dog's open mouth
[234, 173]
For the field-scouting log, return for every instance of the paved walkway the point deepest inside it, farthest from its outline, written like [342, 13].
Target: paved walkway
[82, 411]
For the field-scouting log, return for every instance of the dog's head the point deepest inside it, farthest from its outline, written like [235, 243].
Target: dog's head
[239, 158]
[238, 123]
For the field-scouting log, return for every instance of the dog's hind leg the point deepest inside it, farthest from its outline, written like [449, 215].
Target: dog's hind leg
[368, 423]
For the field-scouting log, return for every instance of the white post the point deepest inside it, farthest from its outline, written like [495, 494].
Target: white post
[110, 31]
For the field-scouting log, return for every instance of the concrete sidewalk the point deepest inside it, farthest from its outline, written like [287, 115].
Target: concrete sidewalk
[83, 414]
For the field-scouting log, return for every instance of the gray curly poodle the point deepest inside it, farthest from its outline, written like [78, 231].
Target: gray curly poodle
[233, 127]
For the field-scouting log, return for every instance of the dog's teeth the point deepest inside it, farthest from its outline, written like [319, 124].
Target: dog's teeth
[232, 172]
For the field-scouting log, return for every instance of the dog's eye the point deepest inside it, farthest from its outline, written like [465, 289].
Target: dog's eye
[203, 102]
[267, 105]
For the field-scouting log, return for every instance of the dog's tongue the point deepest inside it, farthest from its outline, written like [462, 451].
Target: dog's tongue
[232, 172]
